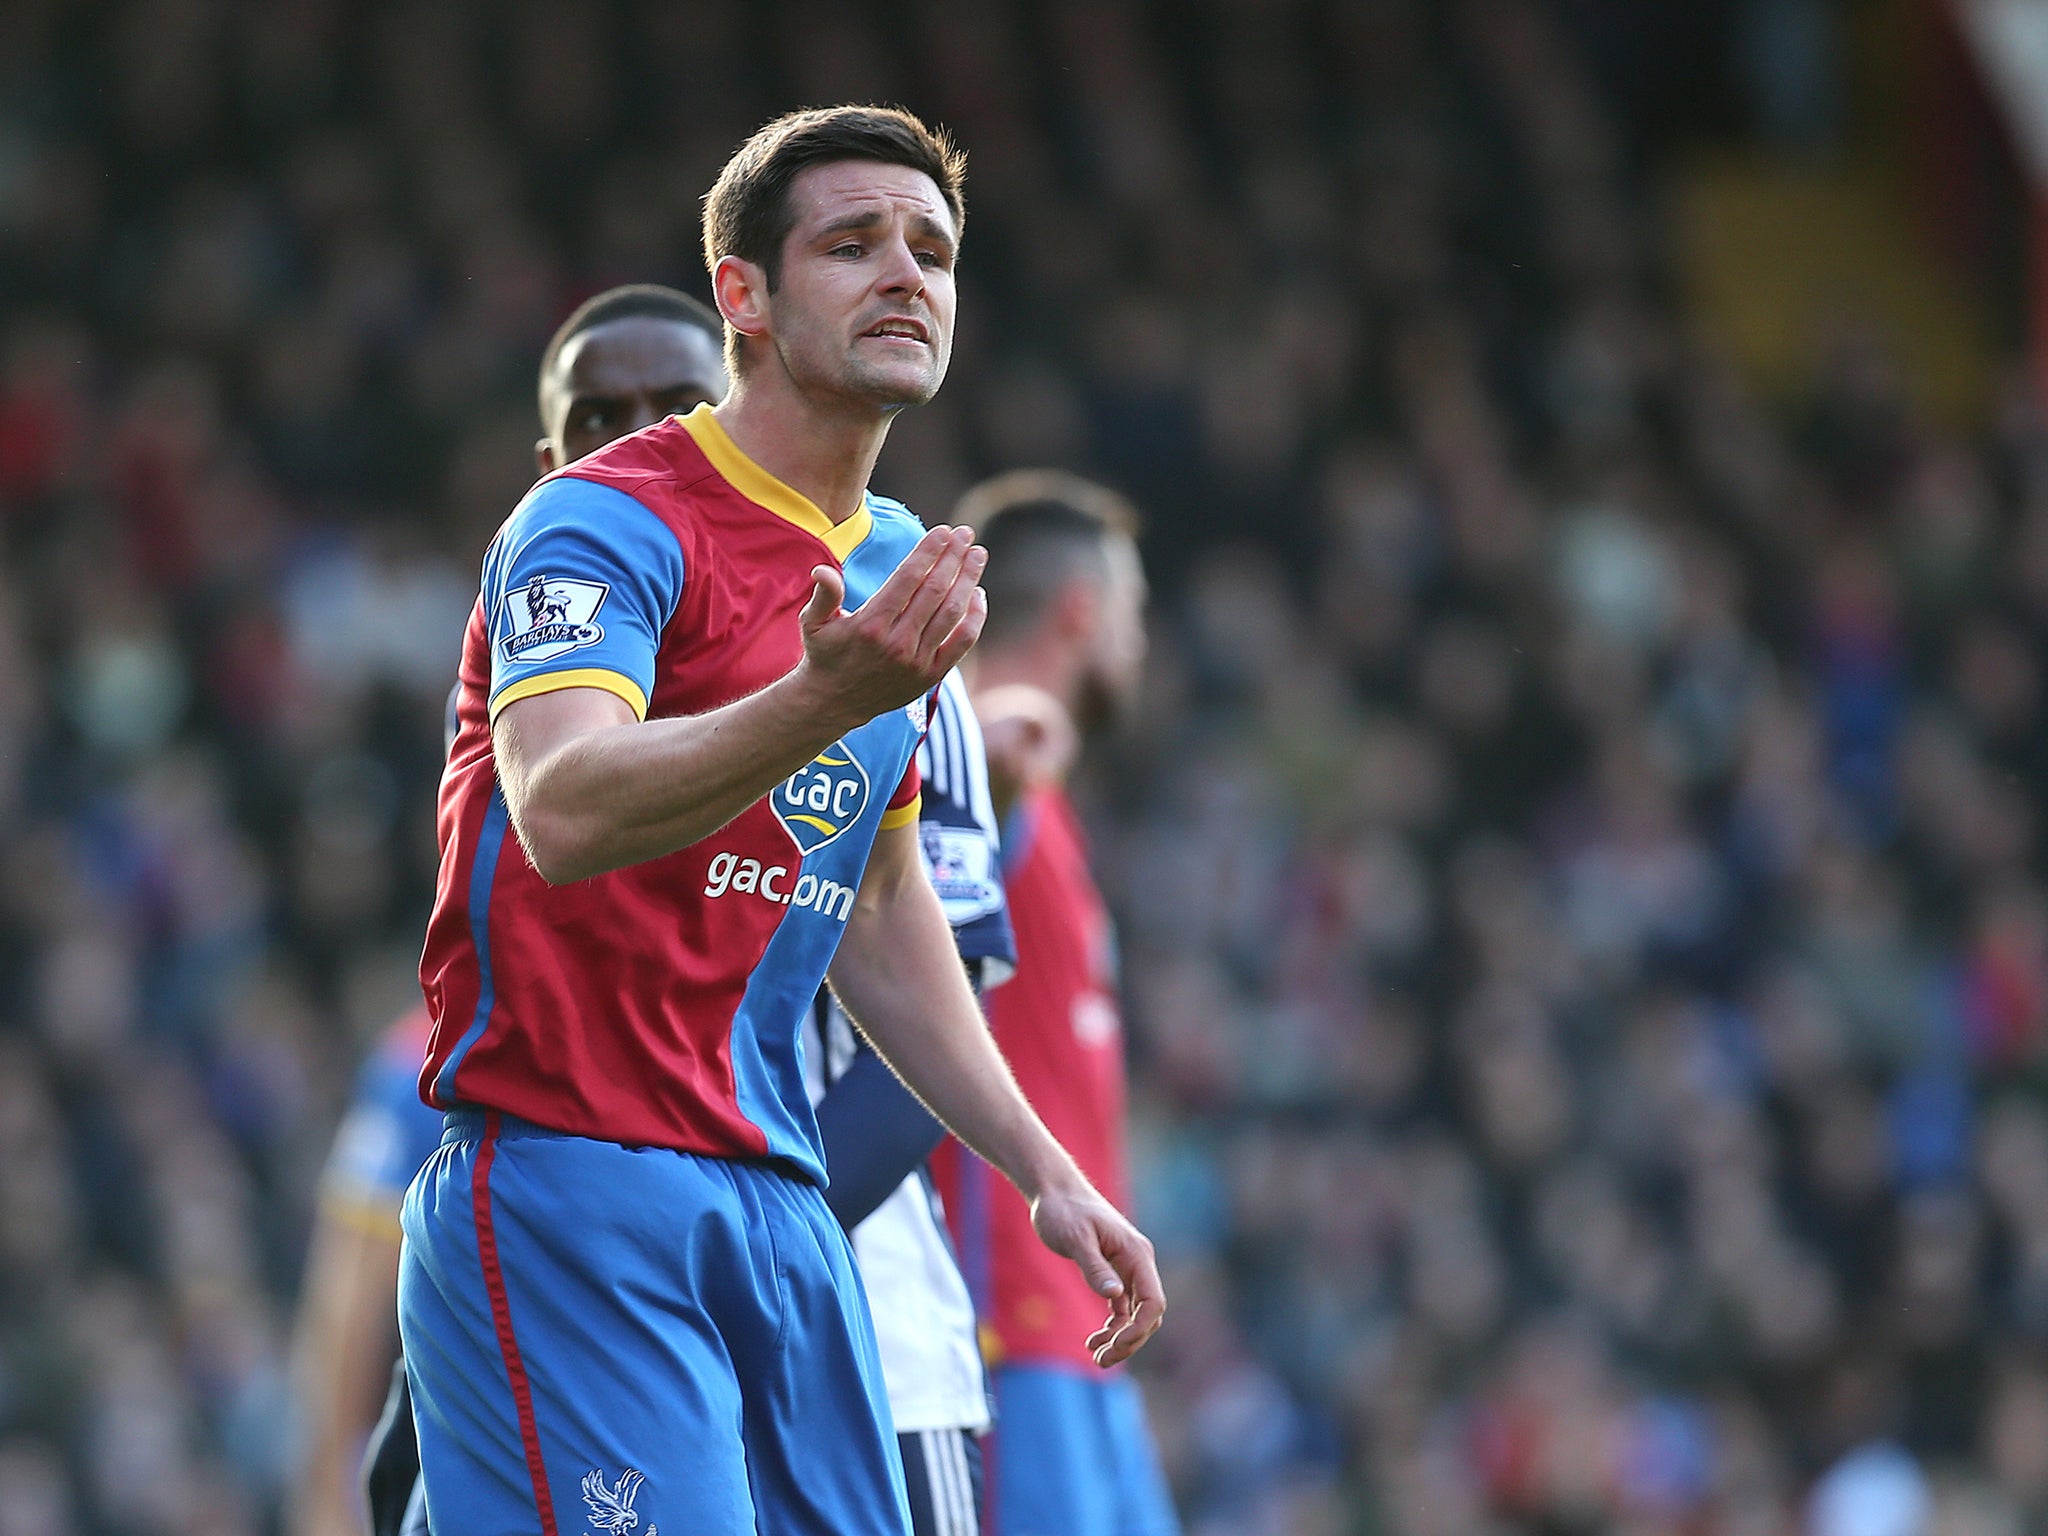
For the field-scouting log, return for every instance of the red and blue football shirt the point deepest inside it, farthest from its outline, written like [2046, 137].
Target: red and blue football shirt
[657, 1005]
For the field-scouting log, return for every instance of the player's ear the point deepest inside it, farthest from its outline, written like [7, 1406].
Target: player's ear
[741, 289]
[544, 455]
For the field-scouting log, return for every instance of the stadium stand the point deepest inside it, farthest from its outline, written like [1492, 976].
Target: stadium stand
[1578, 865]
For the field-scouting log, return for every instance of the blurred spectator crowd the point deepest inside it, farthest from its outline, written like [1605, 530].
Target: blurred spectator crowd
[1578, 862]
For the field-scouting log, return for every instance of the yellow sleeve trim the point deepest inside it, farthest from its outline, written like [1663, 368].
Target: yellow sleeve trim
[362, 1215]
[575, 677]
[902, 815]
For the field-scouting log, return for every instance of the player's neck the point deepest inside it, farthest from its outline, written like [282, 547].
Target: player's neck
[826, 455]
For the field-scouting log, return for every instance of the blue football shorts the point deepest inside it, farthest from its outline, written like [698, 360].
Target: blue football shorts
[604, 1338]
[1071, 1455]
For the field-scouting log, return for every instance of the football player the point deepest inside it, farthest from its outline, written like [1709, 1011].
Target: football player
[1062, 652]
[622, 361]
[677, 798]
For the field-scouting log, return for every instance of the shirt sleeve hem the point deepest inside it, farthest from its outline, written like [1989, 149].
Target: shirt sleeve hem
[574, 677]
[902, 815]
[362, 1214]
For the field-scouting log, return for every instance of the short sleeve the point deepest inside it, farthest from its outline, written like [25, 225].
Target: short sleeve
[902, 809]
[578, 586]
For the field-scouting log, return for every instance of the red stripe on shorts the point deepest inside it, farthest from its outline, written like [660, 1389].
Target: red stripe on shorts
[501, 1315]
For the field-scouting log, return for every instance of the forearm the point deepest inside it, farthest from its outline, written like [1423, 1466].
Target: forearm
[346, 1340]
[630, 791]
[591, 789]
[900, 977]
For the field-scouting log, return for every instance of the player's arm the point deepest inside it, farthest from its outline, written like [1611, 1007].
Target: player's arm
[1030, 739]
[876, 1133]
[592, 788]
[345, 1340]
[900, 978]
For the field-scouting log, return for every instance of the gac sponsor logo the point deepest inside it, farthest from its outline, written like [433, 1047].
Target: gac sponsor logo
[809, 892]
[822, 799]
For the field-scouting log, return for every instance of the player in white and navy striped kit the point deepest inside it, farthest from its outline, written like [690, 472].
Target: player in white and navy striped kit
[877, 1137]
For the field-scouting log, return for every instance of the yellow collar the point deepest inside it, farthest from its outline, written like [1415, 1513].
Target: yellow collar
[757, 485]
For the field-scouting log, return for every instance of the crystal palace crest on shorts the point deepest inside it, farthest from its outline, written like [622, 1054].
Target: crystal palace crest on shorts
[611, 1508]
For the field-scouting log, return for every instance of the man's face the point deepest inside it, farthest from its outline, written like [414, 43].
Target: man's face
[621, 376]
[863, 306]
[1116, 663]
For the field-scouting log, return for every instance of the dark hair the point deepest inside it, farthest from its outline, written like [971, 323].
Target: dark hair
[1041, 528]
[747, 213]
[627, 302]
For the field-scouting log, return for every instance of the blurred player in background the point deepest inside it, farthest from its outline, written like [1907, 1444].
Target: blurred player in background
[1062, 653]
[622, 361]
[877, 1137]
[684, 789]
[347, 1329]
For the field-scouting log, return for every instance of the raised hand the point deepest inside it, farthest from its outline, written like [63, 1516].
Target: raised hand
[1030, 739]
[901, 641]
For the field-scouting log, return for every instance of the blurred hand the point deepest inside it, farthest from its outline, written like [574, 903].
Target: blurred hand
[1116, 1258]
[901, 641]
[1032, 740]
